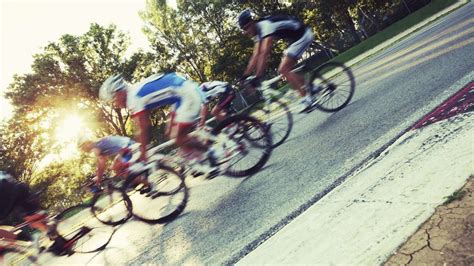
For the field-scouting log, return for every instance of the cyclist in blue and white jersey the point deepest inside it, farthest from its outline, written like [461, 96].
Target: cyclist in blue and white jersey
[220, 90]
[117, 147]
[265, 32]
[156, 91]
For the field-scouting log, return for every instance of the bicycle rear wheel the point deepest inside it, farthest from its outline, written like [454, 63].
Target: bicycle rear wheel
[247, 155]
[332, 85]
[278, 120]
[78, 232]
[111, 206]
[167, 200]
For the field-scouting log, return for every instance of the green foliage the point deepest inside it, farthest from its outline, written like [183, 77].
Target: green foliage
[65, 79]
[64, 182]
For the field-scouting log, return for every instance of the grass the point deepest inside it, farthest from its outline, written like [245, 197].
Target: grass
[457, 195]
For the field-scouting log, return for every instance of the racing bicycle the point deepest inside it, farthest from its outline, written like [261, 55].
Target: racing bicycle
[71, 231]
[120, 198]
[242, 141]
[331, 86]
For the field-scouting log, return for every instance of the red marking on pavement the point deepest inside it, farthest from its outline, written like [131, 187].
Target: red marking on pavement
[461, 102]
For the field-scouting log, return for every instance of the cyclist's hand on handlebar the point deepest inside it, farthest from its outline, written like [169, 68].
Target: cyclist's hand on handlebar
[242, 80]
[255, 82]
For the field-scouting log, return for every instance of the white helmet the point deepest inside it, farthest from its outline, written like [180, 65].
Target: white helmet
[110, 86]
[5, 176]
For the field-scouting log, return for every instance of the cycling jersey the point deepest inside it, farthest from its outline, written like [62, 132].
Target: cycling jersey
[288, 28]
[215, 89]
[112, 145]
[280, 27]
[167, 89]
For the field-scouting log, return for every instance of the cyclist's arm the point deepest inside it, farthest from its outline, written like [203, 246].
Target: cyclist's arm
[101, 163]
[203, 115]
[143, 121]
[169, 125]
[253, 60]
[263, 55]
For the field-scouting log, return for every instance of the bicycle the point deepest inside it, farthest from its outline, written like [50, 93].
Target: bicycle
[274, 113]
[123, 196]
[229, 137]
[71, 231]
[331, 85]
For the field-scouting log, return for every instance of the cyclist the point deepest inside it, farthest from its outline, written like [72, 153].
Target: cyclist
[220, 90]
[17, 195]
[264, 32]
[119, 147]
[156, 91]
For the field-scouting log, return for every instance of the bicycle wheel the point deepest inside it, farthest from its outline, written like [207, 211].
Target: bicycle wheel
[332, 85]
[278, 120]
[78, 232]
[232, 135]
[167, 200]
[111, 206]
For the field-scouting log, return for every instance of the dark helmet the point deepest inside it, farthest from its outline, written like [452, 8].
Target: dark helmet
[245, 17]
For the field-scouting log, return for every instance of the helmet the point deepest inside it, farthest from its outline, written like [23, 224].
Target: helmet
[5, 176]
[110, 86]
[245, 17]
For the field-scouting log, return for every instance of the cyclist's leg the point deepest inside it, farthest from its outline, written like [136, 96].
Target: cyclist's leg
[295, 80]
[184, 121]
[220, 110]
[292, 54]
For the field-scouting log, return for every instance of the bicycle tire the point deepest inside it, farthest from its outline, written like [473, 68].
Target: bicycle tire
[278, 119]
[149, 207]
[333, 85]
[244, 123]
[116, 208]
[70, 238]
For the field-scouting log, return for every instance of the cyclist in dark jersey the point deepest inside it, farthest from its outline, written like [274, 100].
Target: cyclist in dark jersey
[220, 90]
[17, 195]
[267, 30]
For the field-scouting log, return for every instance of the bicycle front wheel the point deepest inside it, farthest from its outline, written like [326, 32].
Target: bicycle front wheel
[247, 143]
[78, 232]
[332, 85]
[167, 200]
[277, 119]
[111, 206]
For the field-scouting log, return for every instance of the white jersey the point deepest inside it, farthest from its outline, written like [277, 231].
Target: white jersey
[214, 89]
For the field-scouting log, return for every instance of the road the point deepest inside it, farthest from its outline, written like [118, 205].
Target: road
[226, 218]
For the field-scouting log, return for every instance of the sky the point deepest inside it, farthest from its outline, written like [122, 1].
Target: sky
[29, 25]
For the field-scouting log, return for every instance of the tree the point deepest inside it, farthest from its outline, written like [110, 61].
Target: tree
[65, 79]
